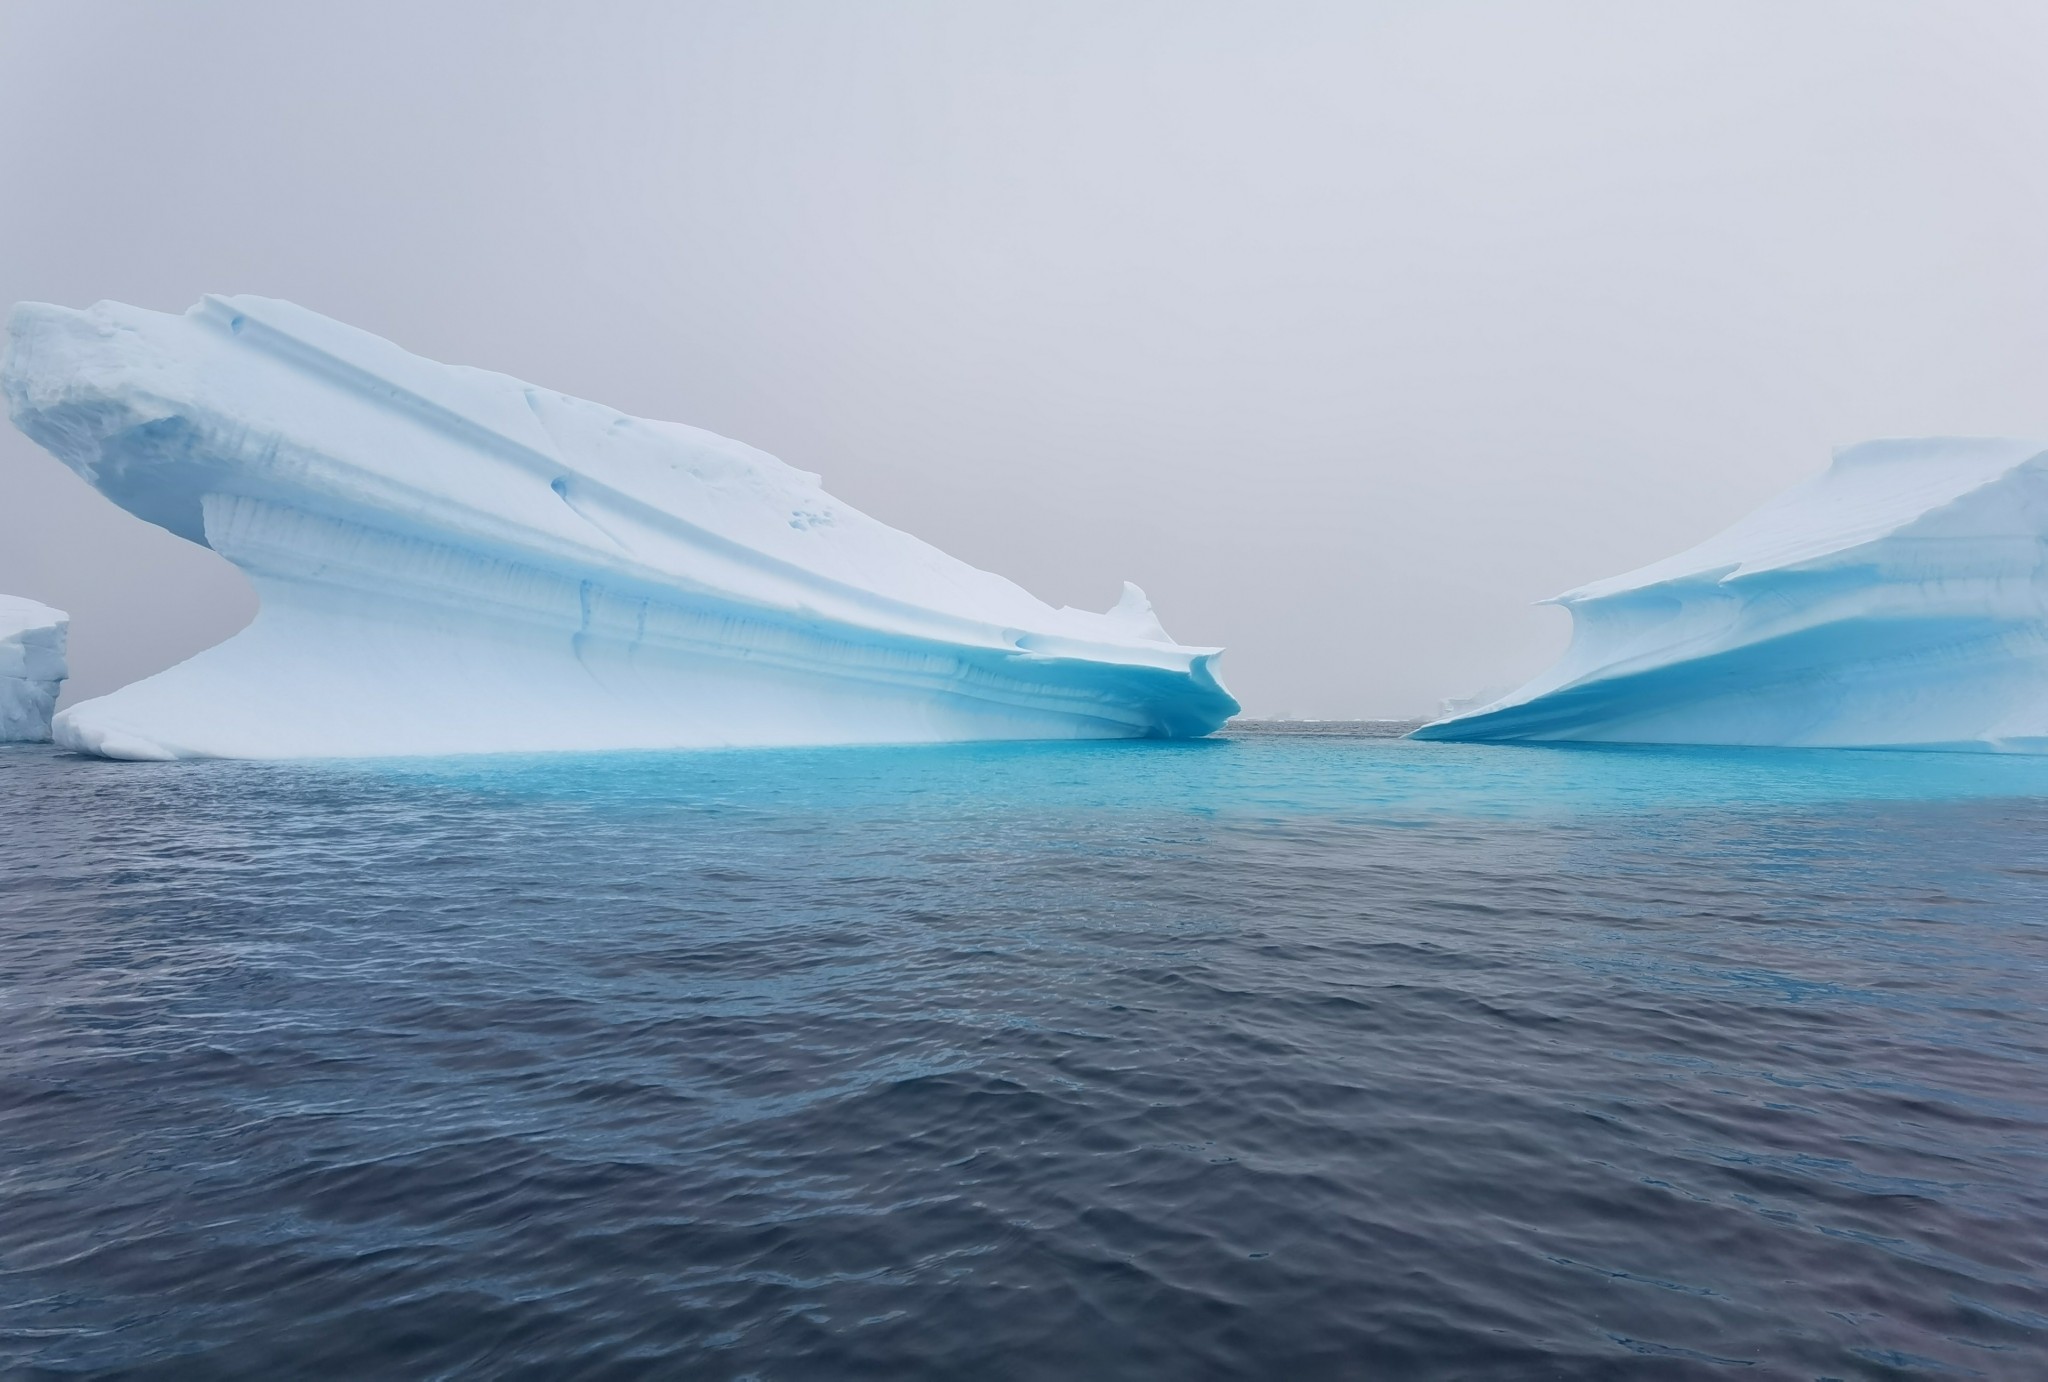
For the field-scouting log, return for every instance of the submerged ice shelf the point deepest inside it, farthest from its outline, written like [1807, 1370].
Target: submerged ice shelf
[31, 667]
[1899, 600]
[451, 561]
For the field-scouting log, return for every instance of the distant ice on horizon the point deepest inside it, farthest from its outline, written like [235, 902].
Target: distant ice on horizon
[452, 561]
[1898, 600]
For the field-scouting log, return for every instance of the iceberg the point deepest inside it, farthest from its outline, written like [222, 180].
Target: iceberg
[451, 561]
[31, 668]
[1898, 600]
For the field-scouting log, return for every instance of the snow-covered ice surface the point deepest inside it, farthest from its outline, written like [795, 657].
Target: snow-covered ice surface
[451, 561]
[31, 667]
[1899, 600]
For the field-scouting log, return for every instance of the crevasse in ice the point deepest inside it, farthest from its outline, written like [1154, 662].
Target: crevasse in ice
[1898, 600]
[449, 561]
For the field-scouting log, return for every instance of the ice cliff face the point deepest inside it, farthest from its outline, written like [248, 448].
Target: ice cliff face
[1899, 600]
[31, 667]
[452, 561]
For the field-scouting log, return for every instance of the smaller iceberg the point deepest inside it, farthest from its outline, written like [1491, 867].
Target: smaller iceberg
[31, 668]
[1899, 600]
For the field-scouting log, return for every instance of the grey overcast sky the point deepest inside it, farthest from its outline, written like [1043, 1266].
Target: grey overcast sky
[1347, 330]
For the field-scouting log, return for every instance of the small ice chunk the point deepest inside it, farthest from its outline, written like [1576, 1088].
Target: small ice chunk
[31, 667]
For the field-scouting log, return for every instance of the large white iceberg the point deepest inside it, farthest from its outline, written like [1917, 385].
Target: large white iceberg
[1899, 600]
[31, 667]
[450, 561]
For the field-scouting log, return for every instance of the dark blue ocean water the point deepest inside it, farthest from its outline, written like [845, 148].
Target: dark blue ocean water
[1266, 1057]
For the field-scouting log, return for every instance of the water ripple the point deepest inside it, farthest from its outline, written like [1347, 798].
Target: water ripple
[1329, 1057]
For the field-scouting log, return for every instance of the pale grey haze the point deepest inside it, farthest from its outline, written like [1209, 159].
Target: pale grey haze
[1346, 330]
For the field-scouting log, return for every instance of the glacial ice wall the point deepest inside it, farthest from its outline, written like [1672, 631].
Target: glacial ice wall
[449, 560]
[1899, 600]
[32, 667]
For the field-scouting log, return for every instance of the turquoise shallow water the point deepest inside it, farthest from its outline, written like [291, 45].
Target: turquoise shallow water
[1262, 1056]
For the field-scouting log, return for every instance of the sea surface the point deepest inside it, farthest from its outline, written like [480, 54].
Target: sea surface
[1272, 1056]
